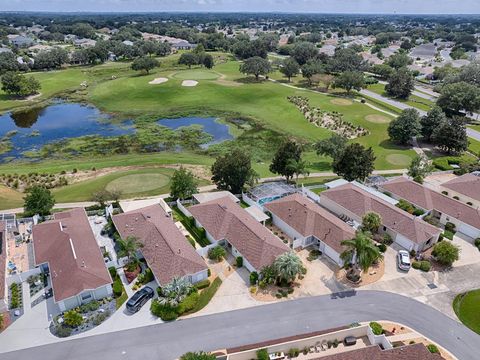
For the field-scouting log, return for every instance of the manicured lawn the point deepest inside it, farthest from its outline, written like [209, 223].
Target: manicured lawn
[196, 74]
[413, 100]
[128, 182]
[474, 146]
[467, 308]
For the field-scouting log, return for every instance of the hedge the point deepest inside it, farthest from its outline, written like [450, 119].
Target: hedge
[117, 287]
[423, 265]
[377, 329]
[202, 284]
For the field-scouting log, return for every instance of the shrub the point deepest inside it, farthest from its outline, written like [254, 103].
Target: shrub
[147, 276]
[117, 287]
[448, 234]
[188, 304]
[164, 312]
[418, 179]
[113, 272]
[477, 243]
[313, 255]
[262, 354]
[63, 331]
[293, 352]
[405, 205]
[440, 237]
[377, 329]
[450, 226]
[423, 265]
[91, 306]
[72, 319]
[382, 247]
[433, 349]
[239, 261]
[446, 253]
[216, 253]
[202, 284]
[418, 212]
[253, 278]
[387, 239]
[99, 318]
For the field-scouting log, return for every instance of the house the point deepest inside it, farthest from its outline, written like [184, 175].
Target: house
[3, 266]
[84, 42]
[183, 45]
[227, 223]
[375, 352]
[21, 41]
[465, 217]
[351, 200]
[465, 187]
[65, 247]
[127, 42]
[309, 224]
[165, 249]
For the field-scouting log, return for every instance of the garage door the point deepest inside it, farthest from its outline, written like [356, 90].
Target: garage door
[332, 254]
[404, 242]
[468, 230]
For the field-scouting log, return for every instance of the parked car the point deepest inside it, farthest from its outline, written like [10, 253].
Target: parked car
[403, 260]
[139, 299]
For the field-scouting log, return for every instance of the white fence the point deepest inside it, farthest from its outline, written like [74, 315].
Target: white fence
[378, 339]
[183, 209]
[310, 194]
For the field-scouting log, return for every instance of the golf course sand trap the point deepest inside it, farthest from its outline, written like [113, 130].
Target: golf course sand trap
[398, 159]
[156, 81]
[342, 102]
[378, 119]
[189, 83]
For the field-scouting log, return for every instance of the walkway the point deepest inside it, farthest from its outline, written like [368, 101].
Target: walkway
[260, 323]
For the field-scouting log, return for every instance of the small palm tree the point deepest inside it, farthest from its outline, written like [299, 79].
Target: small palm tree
[298, 167]
[287, 266]
[175, 292]
[361, 250]
[128, 247]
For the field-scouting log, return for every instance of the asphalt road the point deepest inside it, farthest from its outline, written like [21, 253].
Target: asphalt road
[473, 134]
[223, 330]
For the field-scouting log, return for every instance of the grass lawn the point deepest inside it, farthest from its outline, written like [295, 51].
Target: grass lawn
[132, 183]
[413, 100]
[474, 146]
[467, 308]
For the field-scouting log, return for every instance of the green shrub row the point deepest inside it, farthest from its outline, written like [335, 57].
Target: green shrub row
[16, 296]
[423, 265]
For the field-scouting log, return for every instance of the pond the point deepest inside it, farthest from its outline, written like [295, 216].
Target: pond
[219, 131]
[30, 130]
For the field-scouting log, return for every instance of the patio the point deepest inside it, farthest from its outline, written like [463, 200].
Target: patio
[19, 248]
[106, 243]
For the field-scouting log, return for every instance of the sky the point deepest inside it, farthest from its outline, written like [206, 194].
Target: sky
[313, 6]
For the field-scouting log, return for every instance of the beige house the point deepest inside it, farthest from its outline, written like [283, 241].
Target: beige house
[465, 187]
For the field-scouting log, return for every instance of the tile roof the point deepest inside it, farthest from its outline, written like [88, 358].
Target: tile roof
[68, 245]
[3, 257]
[468, 185]
[428, 199]
[167, 251]
[360, 202]
[374, 352]
[308, 219]
[224, 219]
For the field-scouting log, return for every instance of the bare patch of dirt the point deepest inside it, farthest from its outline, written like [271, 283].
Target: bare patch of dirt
[341, 102]
[377, 119]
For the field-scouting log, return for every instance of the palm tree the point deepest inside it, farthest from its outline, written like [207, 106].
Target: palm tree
[371, 222]
[128, 248]
[287, 266]
[298, 167]
[175, 292]
[361, 250]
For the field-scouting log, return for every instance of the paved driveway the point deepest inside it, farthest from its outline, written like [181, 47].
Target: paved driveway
[168, 341]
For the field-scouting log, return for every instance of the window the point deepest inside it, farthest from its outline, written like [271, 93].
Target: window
[86, 296]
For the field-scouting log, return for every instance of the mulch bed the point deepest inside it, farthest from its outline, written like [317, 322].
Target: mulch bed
[132, 275]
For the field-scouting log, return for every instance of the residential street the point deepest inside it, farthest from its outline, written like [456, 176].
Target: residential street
[234, 328]
[473, 134]
[391, 102]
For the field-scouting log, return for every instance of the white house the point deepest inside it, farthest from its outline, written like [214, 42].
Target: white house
[309, 224]
[353, 202]
[66, 248]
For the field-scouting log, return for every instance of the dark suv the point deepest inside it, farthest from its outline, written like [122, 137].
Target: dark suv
[139, 299]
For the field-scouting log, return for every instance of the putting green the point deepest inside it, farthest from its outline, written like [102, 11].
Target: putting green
[378, 119]
[398, 159]
[196, 75]
[341, 102]
[138, 183]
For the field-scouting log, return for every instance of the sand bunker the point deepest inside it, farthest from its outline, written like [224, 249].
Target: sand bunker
[159, 80]
[342, 102]
[189, 83]
[378, 119]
